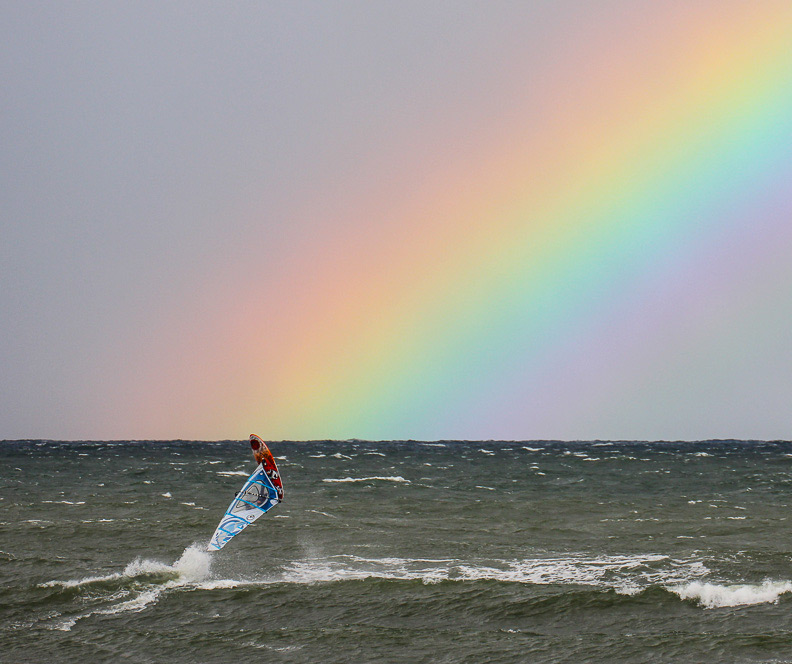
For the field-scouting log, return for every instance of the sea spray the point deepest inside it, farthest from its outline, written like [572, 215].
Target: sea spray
[194, 564]
[140, 585]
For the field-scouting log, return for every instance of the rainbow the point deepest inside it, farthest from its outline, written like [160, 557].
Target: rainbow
[572, 265]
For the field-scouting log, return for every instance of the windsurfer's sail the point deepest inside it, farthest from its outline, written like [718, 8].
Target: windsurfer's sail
[257, 496]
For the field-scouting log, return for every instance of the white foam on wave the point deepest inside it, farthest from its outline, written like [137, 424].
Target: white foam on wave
[397, 478]
[713, 595]
[354, 568]
[193, 564]
[74, 583]
[233, 473]
[625, 574]
[332, 516]
[191, 569]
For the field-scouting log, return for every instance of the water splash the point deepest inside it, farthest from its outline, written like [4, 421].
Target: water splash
[195, 564]
[140, 585]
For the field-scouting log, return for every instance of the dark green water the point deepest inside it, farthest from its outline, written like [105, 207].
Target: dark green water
[399, 552]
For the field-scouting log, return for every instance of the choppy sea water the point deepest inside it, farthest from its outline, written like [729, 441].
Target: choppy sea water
[399, 552]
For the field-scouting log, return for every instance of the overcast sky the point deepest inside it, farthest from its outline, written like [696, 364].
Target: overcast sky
[157, 155]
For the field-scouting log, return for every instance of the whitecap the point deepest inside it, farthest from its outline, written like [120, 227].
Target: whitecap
[626, 574]
[193, 564]
[190, 569]
[712, 595]
[397, 478]
[233, 473]
[65, 625]
[75, 583]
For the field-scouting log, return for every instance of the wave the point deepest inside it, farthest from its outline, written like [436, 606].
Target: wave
[139, 585]
[143, 581]
[625, 574]
[713, 595]
[64, 502]
[397, 478]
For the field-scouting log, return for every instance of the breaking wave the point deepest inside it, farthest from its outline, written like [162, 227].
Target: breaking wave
[138, 586]
[143, 581]
[398, 478]
[625, 574]
[713, 595]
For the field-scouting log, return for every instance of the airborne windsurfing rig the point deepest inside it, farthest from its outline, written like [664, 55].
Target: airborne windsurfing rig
[259, 494]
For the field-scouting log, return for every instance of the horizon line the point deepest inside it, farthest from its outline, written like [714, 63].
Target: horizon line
[400, 440]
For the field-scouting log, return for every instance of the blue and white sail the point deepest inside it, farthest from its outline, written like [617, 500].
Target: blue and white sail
[257, 496]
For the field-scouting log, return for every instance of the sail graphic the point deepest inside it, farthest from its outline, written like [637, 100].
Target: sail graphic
[257, 496]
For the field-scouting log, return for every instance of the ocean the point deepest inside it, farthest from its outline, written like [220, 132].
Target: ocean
[398, 552]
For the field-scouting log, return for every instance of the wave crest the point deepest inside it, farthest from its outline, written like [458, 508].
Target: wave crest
[714, 595]
[396, 478]
[138, 586]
